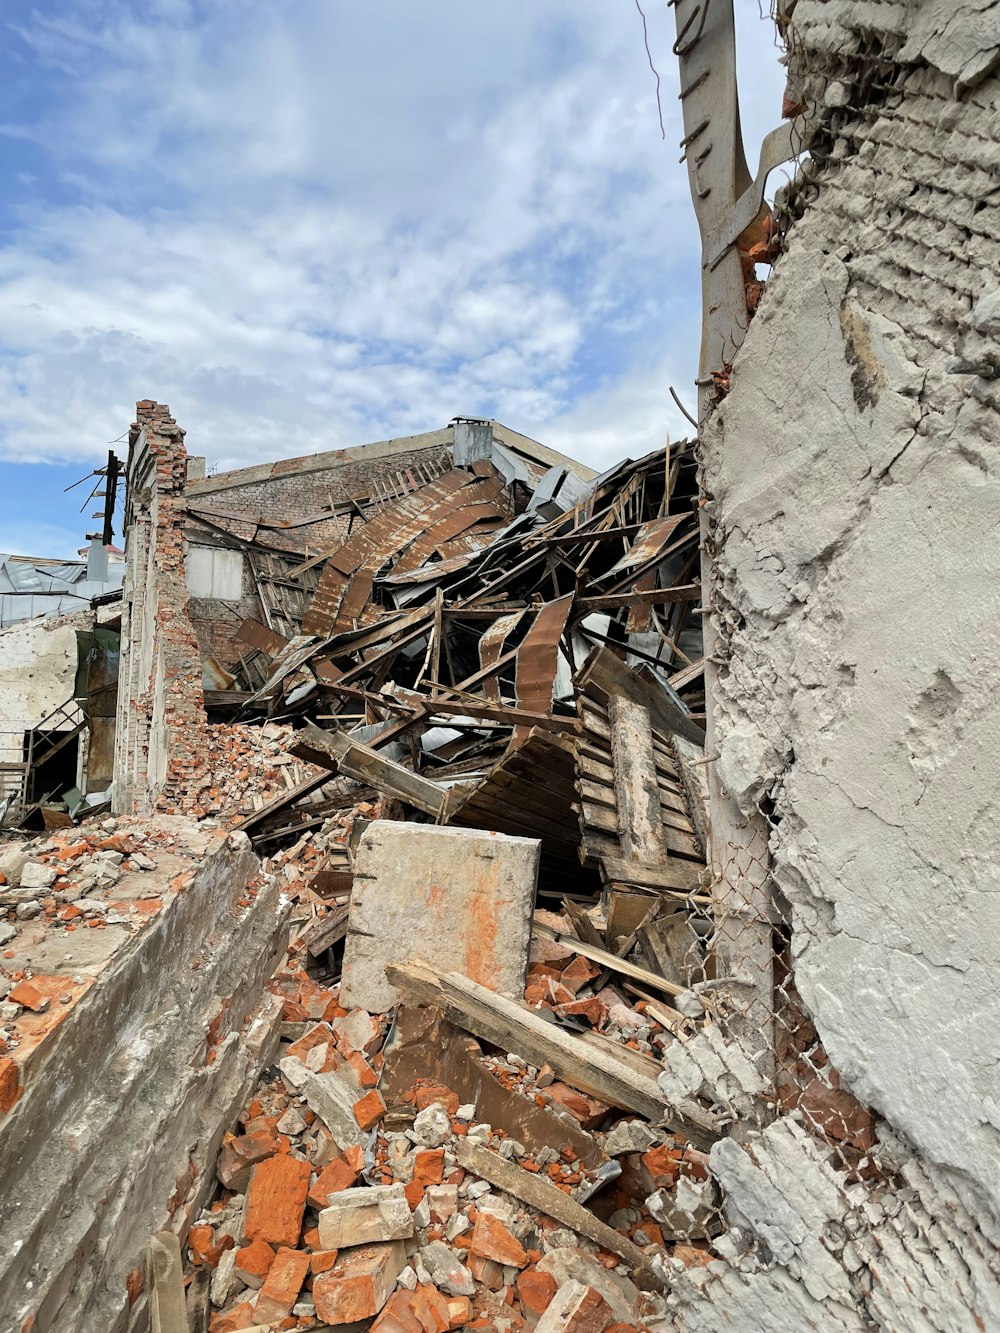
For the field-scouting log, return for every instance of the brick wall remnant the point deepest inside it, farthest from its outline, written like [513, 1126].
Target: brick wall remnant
[161, 718]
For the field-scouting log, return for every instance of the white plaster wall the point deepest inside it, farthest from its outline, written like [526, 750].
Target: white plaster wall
[37, 674]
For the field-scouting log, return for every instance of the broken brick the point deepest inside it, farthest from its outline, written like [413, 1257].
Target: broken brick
[369, 1110]
[282, 1286]
[492, 1240]
[276, 1200]
[359, 1283]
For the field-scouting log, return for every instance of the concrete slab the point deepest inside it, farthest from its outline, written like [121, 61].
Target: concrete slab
[456, 896]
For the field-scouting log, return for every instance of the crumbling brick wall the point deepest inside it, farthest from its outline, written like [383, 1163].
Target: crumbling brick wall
[161, 719]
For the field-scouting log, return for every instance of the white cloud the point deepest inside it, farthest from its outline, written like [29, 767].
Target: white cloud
[315, 224]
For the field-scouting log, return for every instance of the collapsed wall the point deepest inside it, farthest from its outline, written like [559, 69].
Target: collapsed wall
[138, 1043]
[853, 481]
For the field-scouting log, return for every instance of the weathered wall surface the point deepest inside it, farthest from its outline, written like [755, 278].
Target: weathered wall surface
[855, 472]
[37, 674]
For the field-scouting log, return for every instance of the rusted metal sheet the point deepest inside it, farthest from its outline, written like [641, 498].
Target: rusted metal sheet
[538, 655]
[491, 647]
[648, 542]
[388, 534]
[258, 636]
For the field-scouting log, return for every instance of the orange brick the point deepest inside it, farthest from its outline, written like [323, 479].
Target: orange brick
[201, 1241]
[459, 1311]
[428, 1167]
[321, 1261]
[535, 1290]
[276, 1200]
[428, 1093]
[284, 1282]
[331, 1180]
[28, 994]
[692, 1255]
[240, 1316]
[253, 1263]
[359, 1283]
[9, 1084]
[369, 1110]
[492, 1240]
[414, 1192]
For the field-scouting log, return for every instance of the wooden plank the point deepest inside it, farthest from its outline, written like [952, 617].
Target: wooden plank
[285, 799]
[612, 962]
[540, 1193]
[640, 828]
[260, 637]
[511, 1025]
[595, 793]
[341, 754]
[581, 922]
[327, 931]
[676, 875]
[165, 1284]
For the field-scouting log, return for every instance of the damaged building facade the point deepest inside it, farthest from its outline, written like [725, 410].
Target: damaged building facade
[533, 899]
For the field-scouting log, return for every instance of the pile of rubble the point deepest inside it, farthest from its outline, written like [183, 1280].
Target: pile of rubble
[345, 1196]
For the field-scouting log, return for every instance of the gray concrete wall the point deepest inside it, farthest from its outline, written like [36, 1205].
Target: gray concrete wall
[855, 473]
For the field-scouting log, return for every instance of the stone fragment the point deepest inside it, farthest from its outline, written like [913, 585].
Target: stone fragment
[575, 1309]
[629, 1136]
[442, 1202]
[276, 1200]
[331, 1096]
[446, 1270]
[568, 1262]
[365, 1215]
[421, 891]
[358, 1031]
[282, 1286]
[224, 1281]
[359, 1283]
[432, 1126]
[35, 875]
[7, 932]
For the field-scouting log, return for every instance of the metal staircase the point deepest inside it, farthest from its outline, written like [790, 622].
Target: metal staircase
[18, 794]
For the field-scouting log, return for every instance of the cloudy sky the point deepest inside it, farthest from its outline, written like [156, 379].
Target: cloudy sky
[315, 223]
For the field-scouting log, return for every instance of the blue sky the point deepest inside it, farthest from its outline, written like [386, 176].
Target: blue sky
[322, 222]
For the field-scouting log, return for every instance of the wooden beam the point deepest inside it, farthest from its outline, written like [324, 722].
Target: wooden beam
[342, 755]
[509, 1024]
[540, 1193]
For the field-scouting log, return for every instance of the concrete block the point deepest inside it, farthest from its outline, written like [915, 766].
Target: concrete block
[359, 1283]
[365, 1215]
[459, 897]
